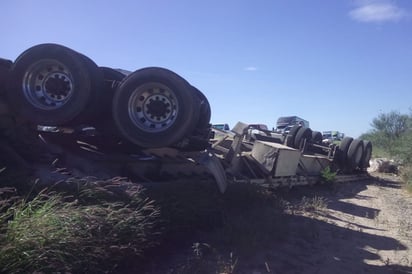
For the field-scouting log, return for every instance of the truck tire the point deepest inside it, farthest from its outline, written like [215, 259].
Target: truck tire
[5, 63]
[94, 108]
[50, 85]
[290, 137]
[303, 133]
[111, 80]
[5, 66]
[317, 137]
[155, 107]
[205, 111]
[342, 151]
[355, 153]
[367, 154]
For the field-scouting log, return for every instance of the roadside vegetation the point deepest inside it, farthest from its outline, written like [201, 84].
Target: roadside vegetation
[391, 136]
[93, 227]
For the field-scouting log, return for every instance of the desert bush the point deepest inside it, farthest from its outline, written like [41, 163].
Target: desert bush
[391, 133]
[392, 137]
[83, 232]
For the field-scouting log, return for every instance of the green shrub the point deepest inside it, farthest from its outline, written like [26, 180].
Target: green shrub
[328, 175]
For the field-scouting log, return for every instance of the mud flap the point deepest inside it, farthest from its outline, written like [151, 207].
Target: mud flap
[214, 166]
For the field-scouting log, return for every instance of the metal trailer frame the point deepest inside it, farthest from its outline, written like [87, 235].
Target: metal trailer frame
[267, 161]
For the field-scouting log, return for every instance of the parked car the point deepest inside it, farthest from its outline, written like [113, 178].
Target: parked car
[221, 126]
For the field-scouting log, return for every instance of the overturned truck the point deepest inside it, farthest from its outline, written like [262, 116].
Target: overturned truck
[158, 120]
[296, 158]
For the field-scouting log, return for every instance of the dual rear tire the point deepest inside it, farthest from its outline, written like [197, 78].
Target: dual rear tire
[155, 107]
[353, 154]
[53, 85]
[298, 135]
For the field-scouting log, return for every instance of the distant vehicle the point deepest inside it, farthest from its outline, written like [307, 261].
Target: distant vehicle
[256, 129]
[284, 124]
[333, 135]
[259, 126]
[219, 130]
[221, 126]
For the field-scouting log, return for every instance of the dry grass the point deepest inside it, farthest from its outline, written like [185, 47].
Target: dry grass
[313, 204]
[90, 230]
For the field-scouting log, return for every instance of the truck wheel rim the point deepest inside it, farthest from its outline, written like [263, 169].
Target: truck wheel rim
[48, 84]
[153, 107]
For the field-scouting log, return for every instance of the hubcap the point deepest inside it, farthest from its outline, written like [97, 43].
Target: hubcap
[153, 107]
[48, 84]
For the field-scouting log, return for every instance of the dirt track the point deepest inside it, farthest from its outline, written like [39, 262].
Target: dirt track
[366, 228]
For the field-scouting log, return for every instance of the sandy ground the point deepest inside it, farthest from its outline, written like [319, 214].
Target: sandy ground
[366, 228]
[363, 227]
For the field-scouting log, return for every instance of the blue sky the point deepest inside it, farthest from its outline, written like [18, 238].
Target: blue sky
[336, 63]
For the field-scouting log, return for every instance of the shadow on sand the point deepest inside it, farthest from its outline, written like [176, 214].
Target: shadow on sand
[302, 243]
[317, 246]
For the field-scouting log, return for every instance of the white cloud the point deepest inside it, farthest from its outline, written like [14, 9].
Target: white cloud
[251, 68]
[377, 11]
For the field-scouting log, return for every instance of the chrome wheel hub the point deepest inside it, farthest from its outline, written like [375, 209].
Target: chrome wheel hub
[48, 84]
[153, 107]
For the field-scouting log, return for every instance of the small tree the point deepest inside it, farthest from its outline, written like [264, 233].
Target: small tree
[392, 125]
[390, 131]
